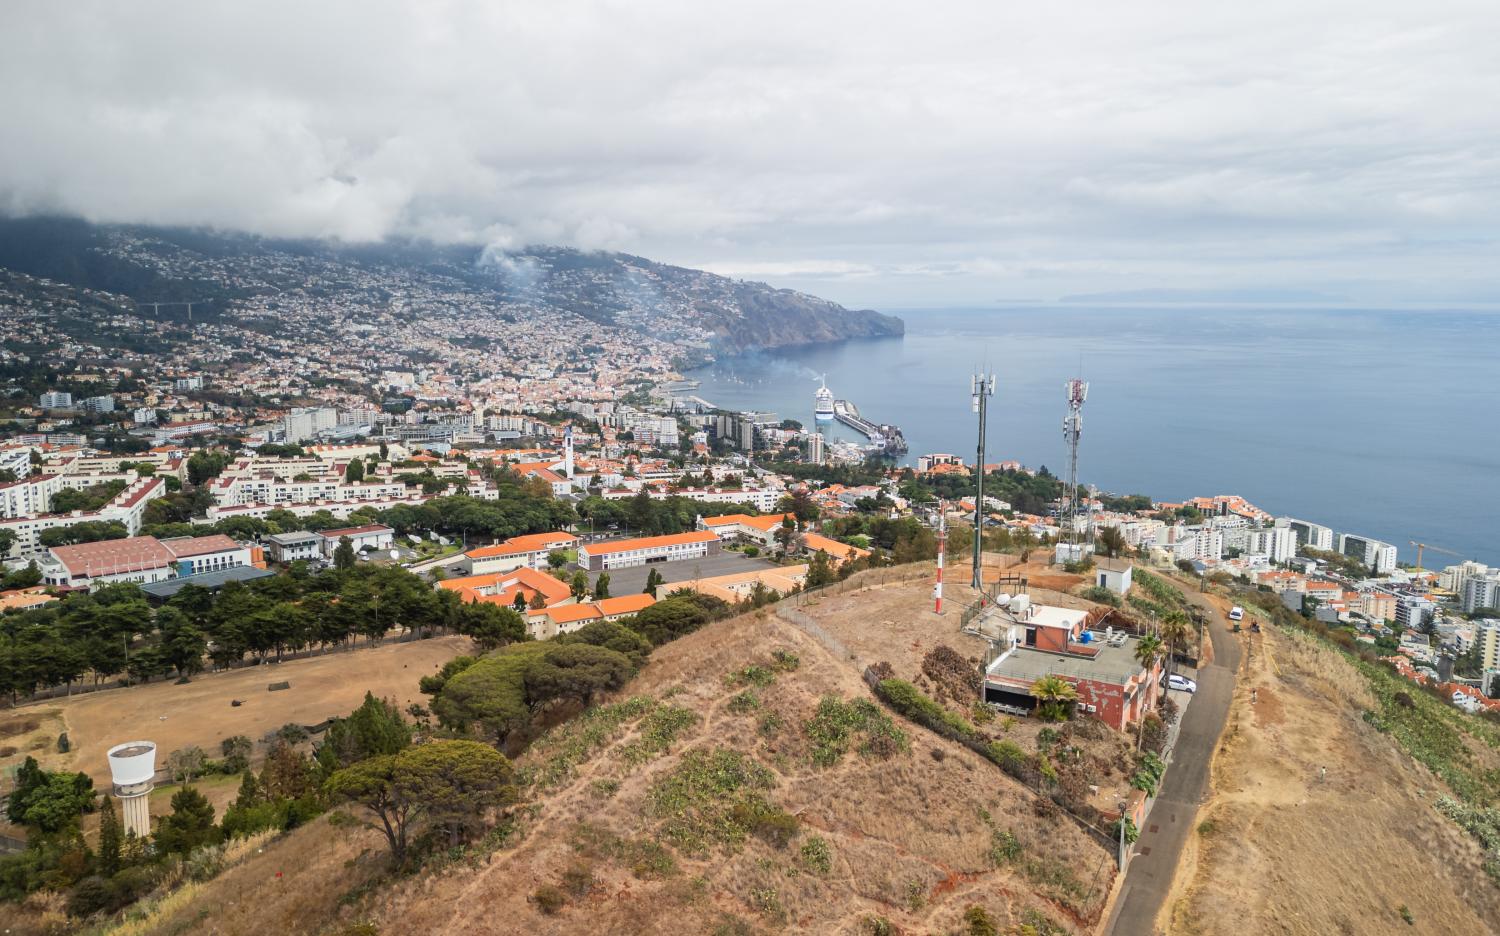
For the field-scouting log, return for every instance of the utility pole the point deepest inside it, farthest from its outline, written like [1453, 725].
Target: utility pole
[981, 388]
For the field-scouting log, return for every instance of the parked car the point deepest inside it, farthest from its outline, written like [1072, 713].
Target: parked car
[1180, 682]
[1236, 612]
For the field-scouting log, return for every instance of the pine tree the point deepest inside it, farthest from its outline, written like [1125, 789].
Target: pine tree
[111, 837]
[343, 555]
[601, 586]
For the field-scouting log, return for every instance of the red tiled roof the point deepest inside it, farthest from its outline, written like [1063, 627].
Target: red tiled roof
[108, 557]
[200, 545]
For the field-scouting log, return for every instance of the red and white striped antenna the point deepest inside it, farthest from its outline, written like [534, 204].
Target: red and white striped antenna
[937, 591]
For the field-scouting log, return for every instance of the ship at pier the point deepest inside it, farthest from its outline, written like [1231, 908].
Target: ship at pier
[823, 403]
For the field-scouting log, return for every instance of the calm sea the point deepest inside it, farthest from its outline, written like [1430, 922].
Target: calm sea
[1379, 423]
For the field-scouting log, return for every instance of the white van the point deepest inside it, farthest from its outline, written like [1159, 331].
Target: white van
[1236, 613]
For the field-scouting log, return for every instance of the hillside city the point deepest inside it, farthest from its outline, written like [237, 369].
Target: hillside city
[532, 505]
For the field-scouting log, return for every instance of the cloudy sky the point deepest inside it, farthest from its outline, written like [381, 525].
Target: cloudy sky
[877, 153]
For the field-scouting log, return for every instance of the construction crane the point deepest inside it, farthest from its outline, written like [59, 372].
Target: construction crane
[1422, 546]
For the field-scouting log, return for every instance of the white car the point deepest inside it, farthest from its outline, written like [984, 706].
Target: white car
[1176, 681]
[1236, 613]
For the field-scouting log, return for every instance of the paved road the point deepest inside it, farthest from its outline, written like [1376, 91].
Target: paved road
[1174, 816]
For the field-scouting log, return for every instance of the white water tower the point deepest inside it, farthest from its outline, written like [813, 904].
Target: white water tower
[132, 767]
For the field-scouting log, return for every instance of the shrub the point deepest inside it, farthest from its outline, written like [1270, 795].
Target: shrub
[911, 703]
[978, 922]
[1005, 848]
[744, 703]
[754, 675]
[785, 660]
[578, 880]
[835, 724]
[63, 744]
[1101, 595]
[817, 855]
[549, 899]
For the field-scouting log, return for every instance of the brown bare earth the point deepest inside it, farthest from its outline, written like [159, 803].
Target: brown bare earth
[1280, 849]
[911, 838]
[199, 713]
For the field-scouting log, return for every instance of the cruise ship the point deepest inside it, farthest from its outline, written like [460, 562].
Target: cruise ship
[823, 403]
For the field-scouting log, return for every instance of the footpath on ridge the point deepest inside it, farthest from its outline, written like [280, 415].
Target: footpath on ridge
[1159, 848]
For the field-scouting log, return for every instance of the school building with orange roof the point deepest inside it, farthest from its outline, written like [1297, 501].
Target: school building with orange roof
[620, 554]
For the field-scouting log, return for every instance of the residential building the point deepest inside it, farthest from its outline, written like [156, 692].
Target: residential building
[1453, 577]
[308, 422]
[1480, 591]
[1307, 533]
[1414, 612]
[55, 400]
[926, 463]
[1380, 557]
[619, 554]
[1277, 544]
[1487, 644]
[125, 508]
[1202, 545]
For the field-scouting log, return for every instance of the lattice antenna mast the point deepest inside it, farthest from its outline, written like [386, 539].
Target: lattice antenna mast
[981, 388]
[1078, 392]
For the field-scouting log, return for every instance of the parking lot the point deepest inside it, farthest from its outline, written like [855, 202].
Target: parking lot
[633, 579]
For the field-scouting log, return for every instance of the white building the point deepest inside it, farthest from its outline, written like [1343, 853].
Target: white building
[1412, 612]
[1480, 591]
[125, 508]
[530, 551]
[1202, 545]
[1453, 578]
[291, 547]
[619, 554]
[1277, 544]
[1307, 533]
[55, 399]
[139, 559]
[373, 537]
[1381, 557]
[307, 422]
[194, 555]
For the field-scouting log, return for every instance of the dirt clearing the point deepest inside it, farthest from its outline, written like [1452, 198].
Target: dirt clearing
[199, 713]
[1317, 823]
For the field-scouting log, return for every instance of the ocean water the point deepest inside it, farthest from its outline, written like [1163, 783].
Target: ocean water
[1381, 423]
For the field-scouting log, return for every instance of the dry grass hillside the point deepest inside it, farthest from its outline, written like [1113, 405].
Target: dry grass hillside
[745, 782]
[1281, 849]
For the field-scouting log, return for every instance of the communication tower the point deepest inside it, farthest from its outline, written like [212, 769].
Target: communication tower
[981, 388]
[1078, 392]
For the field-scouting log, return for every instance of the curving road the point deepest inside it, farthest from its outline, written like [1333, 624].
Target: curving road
[1172, 819]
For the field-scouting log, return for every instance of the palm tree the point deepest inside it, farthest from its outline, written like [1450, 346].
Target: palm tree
[1111, 540]
[1175, 630]
[1148, 651]
[1055, 695]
